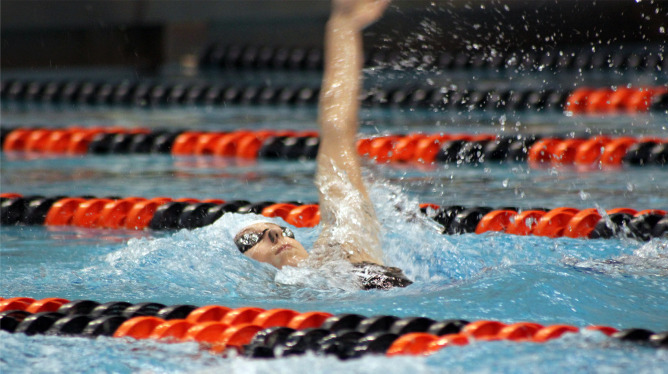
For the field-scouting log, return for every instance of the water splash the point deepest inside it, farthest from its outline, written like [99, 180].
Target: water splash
[205, 262]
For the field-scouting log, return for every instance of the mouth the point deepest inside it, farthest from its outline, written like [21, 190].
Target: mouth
[282, 248]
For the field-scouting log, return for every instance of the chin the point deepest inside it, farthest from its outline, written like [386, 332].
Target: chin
[291, 260]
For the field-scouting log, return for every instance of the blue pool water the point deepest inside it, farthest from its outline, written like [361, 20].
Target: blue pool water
[490, 276]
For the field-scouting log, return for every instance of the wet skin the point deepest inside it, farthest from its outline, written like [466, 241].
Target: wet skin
[338, 163]
[274, 248]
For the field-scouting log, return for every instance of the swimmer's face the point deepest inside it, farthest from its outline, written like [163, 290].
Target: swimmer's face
[274, 246]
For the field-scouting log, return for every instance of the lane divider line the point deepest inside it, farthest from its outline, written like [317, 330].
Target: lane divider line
[268, 333]
[588, 153]
[164, 213]
[148, 94]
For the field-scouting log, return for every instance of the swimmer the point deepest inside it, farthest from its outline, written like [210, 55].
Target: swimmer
[350, 228]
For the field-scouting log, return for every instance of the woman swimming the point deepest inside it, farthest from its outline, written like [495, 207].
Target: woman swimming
[350, 228]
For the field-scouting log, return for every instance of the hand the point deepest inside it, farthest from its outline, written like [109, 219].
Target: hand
[361, 13]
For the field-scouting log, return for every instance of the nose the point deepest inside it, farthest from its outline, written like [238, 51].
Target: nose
[274, 235]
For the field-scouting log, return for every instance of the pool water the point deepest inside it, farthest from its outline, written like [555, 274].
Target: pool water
[489, 276]
[617, 282]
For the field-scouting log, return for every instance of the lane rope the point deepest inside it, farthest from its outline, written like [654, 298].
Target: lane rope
[588, 152]
[150, 94]
[163, 213]
[220, 56]
[268, 333]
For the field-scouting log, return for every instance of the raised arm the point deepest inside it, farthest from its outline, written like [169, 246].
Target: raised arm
[347, 216]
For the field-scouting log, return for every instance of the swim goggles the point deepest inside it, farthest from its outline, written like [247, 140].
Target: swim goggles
[250, 239]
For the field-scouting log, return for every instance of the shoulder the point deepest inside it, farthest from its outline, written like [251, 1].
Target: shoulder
[374, 276]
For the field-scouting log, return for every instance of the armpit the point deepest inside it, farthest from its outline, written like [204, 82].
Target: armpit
[349, 223]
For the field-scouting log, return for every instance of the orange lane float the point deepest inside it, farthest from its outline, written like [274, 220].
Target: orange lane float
[79, 141]
[607, 330]
[10, 195]
[185, 143]
[524, 222]
[606, 100]
[207, 314]
[598, 101]
[405, 148]
[226, 145]
[619, 99]
[496, 220]
[304, 216]
[16, 303]
[622, 210]
[415, 343]
[206, 332]
[554, 222]
[577, 101]
[427, 148]
[614, 151]
[239, 334]
[431, 206]
[589, 152]
[564, 152]
[308, 320]
[241, 315]
[600, 149]
[249, 145]
[88, 212]
[36, 141]
[363, 146]
[174, 329]
[62, 211]
[483, 330]
[138, 327]
[274, 317]
[381, 148]
[141, 213]
[447, 341]
[278, 210]
[553, 332]
[50, 304]
[521, 331]
[542, 151]
[16, 140]
[115, 213]
[582, 223]
[58, 141]
[641, 100]
[206, 143]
